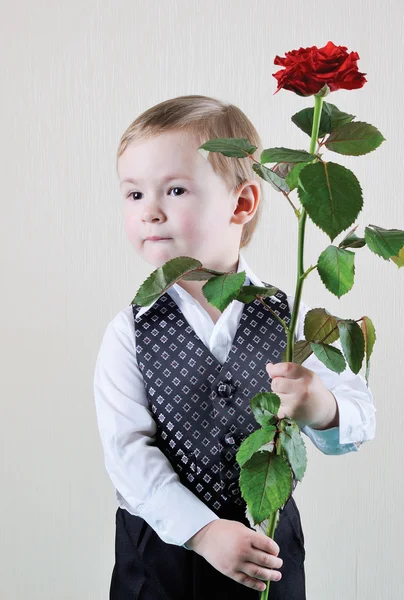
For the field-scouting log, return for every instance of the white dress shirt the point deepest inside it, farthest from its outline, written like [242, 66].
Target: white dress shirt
[145, 482]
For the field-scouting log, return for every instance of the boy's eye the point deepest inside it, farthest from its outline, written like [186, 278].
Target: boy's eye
[177, 188]
[131, 194]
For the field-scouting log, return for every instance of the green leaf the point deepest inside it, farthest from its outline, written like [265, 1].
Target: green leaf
[332, 196]
[248, 293]
[292, 178]
[304, 120]
[163, 277]
[320, 325]
[265, 484]
[277, 182]
[285, 422]
[234, 147]
[352, 342]
[265, 408]
[351, 240]
[282, 169]
[254, 442]
[201, 274]
[301, 352]
[354, 139]
[220, 291]
[337, 269]
[270, 155]
[369, 336]
[384, 242]
[330, 356]
[337, 116]
[331, 118]
[295, 449]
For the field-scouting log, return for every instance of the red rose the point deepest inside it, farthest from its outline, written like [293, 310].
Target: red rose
[309, 69]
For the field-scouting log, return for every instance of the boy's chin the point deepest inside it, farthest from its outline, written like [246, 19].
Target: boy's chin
[158, 256]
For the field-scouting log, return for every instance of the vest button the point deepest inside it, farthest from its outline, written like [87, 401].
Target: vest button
[225, 388]
[229, 439]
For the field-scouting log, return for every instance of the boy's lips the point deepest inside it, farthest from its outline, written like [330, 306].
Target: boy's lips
[155, 238]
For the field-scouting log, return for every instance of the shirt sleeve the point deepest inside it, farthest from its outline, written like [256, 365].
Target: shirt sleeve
[357, 421]
[145, 482]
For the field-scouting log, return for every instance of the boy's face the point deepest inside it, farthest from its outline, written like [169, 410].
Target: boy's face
[194, 210]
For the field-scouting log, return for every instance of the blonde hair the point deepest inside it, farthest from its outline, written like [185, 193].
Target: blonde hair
[207, 118]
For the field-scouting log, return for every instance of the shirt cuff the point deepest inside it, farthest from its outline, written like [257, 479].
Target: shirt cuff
[328, 440]
[355, 425]
[175, 513]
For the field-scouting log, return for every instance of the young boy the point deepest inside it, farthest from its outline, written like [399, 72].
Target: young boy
[173, 380]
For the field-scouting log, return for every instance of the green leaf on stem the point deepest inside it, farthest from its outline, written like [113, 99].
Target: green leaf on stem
[277, 182]
[248, 293]
[234, 147]
[292, 178]
[254, 442]
[301, 351]
[220, 291]
[331, 118]
[351, 240]
[331, 195]
[288, 155]
[384, 242]
[369, 336]
[352, 342]
[282, 169]
[265, 484]
[330, 356]
[265, 408]
[295, 449]
[163, 277]
[321, 326]
[336, 268]
[354, 139]
[201, 274]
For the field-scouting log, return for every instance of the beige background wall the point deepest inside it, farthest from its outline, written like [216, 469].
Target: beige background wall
[74, 75]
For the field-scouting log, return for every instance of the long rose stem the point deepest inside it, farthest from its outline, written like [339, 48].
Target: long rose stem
[300, 247]
[272, 523]
[301, 275]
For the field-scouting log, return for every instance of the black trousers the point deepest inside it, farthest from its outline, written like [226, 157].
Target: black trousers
[146, 568]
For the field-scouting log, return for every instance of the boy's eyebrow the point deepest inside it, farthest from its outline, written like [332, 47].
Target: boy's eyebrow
[163, 179]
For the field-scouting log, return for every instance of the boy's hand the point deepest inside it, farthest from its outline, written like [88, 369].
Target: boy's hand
[238, 552]
[304, 397]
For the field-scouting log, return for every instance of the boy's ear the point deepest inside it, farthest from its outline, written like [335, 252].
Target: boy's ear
[248, 197]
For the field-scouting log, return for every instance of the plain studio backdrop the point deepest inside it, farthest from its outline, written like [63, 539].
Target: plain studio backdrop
[74, 76]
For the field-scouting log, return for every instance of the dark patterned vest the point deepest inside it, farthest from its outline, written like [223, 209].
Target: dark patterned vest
[201, 407]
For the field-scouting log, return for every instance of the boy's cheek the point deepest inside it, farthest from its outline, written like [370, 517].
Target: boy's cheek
[132, 232]
[189, 227]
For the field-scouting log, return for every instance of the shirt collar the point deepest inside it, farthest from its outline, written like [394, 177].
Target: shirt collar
[176, 290]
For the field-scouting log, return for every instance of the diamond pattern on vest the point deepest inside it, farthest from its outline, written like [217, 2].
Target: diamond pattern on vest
[201, 407]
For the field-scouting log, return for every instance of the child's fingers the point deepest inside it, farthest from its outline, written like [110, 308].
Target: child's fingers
[250, 582]
[257, 572]
[265, 543]
[263, 559]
